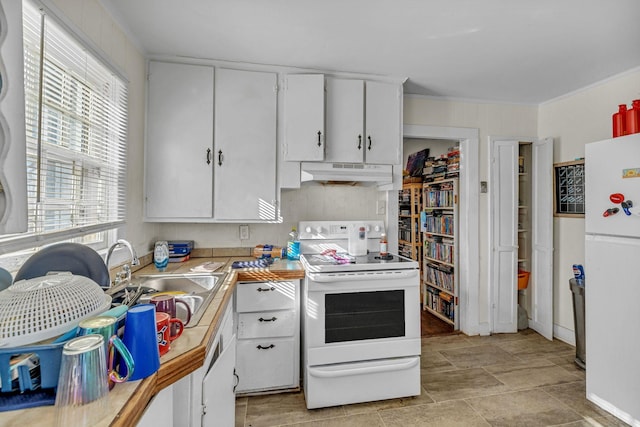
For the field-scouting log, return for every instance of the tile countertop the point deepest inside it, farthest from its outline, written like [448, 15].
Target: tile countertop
[128, 400]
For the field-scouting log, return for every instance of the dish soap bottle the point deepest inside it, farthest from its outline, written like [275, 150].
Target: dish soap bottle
[161, 255]
[293, 245]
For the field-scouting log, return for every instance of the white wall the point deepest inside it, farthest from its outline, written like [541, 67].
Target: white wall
[311, 202]
[491, 120]
[575, 120]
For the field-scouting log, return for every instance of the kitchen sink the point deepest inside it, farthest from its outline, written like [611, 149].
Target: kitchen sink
[199, 289]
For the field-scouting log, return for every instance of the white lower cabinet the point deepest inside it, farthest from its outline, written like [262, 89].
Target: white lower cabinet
[206, 397]
[268, 331]
[159, 409]
[218, 396]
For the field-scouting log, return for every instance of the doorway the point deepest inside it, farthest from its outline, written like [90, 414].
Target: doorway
[467, 139]
[521, 234]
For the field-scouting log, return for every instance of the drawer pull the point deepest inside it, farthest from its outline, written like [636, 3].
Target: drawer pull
[266, 290]
[259, 347]
[273, 319]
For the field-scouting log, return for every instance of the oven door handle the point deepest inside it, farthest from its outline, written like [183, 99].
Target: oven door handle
[362, 275]
[347, 372]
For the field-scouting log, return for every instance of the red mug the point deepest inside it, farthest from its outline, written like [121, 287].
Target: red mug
[167, 304]
[164, 325]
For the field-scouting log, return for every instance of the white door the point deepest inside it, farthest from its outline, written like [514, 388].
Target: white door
[541, 280]
[179, 142]
[383, 120]
[504, 236]
[345, 120]
[218, 390]
[504, 178]
[304, 117]
[244, 155]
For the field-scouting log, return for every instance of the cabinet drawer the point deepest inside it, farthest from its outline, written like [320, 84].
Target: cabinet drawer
[266, 363]
[261, 324]
[261, 296]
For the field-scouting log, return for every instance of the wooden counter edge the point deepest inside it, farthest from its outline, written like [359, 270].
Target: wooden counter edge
[178, 368]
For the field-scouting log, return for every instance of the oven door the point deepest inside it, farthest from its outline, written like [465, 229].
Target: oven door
[364, 315]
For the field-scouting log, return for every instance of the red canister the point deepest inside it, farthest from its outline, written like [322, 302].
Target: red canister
[619, 121]
[632, 123]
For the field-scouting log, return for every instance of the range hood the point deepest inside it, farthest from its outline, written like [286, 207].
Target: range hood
[353, 172]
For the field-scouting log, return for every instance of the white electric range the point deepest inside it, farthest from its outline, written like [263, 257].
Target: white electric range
[361, 316]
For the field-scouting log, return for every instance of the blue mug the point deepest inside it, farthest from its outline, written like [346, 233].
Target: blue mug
[141, 340]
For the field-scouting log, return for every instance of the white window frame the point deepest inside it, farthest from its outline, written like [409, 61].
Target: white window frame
[108, 215]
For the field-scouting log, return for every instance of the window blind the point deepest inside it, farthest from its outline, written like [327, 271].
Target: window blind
[76, 126]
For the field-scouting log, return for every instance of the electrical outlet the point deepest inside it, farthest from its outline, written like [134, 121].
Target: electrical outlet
[244, 232]
[381, 207]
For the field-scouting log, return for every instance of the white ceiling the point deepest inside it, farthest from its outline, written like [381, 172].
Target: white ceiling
[522, 51]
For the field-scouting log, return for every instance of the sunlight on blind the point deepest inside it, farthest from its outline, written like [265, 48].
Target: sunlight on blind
[76, 123]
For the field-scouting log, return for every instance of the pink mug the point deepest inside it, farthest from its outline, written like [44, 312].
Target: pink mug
[167, 304]
[164, 325]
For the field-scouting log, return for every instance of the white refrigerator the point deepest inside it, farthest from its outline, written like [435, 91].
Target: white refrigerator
[612, 276]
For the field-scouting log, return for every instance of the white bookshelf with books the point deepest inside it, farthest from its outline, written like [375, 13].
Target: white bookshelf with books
[439, 223]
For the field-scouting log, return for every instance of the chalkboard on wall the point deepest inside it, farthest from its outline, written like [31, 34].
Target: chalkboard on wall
[569, 189]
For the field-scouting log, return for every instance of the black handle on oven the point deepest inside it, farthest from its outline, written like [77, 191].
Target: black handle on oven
[266, 290]
[273, 319]
[259, 347]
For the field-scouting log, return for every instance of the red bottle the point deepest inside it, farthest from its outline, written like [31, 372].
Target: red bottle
[632, 124]
[619, 121]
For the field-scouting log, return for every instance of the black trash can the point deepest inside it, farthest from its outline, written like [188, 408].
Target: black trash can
[577, 290]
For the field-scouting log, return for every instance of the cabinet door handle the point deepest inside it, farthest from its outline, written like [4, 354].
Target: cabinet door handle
[273, 319]
[359, 142]
[208, 156]
[235, 374]
[266, 290]
[369, 137]
[220, 158]
[319, 137]
[259, 347]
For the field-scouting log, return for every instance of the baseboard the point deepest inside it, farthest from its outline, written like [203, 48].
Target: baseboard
[564, 334]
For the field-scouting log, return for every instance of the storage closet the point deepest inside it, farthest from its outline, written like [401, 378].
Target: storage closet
[524, 232]
[522, 235]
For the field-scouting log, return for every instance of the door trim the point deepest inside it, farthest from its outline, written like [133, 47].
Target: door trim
[468, 219]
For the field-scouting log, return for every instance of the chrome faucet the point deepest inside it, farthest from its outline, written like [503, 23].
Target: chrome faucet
[126, 268]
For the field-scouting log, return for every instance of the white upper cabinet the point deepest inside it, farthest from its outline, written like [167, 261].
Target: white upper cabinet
[364, 121]
[13, 171]
[245, 145]
[383, 120]
[304, 117]
[345, 120]
[188, 175]
[179, 143]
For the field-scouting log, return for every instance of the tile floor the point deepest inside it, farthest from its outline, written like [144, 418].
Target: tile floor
[501, 380]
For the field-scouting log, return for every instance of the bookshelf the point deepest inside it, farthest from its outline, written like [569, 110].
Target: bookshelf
[439, 224]
[409, 208]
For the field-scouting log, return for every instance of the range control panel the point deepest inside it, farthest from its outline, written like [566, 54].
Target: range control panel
[338, 230]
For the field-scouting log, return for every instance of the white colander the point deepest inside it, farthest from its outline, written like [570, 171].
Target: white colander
[37, 309]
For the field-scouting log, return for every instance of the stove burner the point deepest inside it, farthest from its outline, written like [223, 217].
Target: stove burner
[384, 257]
